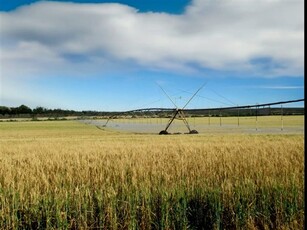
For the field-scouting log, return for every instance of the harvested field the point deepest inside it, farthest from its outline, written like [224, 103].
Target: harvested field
[207, 125]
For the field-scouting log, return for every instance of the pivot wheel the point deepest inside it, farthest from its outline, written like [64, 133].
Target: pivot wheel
[193, 131]
[163, 132]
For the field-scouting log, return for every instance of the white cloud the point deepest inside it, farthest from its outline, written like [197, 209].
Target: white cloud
[48, 38]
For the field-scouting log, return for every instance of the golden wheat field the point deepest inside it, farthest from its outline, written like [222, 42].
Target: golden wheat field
[70, 175]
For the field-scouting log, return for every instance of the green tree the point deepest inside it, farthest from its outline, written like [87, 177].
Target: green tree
[4, 110]
[39, 110]
[23, 109]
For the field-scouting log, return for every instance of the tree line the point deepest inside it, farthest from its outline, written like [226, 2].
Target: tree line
[25, 111]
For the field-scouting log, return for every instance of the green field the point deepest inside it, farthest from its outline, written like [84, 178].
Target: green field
[70, 175]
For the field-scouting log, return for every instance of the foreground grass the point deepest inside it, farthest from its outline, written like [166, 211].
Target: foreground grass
[70, 175]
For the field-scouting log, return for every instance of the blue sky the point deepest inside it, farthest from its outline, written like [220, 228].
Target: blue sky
[173, 7]
[111, 55]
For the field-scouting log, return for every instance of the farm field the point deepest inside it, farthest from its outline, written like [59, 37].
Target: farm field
[208, 125]
[72, 175]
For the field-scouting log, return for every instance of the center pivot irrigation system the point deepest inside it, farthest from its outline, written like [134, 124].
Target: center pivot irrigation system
[179, 114]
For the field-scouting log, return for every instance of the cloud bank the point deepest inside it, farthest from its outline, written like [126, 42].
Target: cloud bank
[255, 37]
